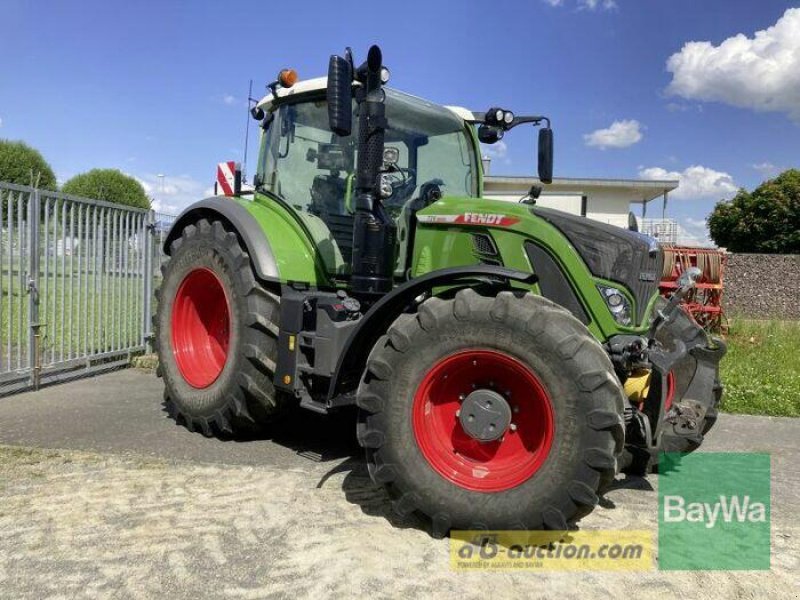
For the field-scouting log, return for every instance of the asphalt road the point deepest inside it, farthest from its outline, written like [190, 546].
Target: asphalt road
[122, 412]
[127, 504]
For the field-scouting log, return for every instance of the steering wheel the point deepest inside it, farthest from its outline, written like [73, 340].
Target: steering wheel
[402, 181]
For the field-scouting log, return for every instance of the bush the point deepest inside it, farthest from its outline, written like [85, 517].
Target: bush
[18, 161]
[765, 220]
[110, 185]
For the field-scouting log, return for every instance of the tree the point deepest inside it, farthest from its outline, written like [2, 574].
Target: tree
[765, 220]
[110, 185]
[23, 165]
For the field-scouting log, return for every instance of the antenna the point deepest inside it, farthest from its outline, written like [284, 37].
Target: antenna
[247, 131]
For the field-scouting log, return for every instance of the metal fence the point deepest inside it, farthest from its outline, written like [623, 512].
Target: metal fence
[76, 285]
[664, 230]
[162, 223]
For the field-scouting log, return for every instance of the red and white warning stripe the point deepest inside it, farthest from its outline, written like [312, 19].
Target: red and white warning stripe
[226, 176]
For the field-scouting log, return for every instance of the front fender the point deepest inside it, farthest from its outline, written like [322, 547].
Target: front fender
[381, 315]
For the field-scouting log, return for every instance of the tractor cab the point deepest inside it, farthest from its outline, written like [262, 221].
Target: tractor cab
[429, 151]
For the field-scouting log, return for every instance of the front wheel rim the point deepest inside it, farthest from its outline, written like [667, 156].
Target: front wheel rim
[200, 328]
[468, 463]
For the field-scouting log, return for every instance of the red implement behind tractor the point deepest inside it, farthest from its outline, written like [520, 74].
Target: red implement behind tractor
[705, 301]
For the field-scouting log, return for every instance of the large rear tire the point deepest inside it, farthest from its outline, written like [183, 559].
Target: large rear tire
[216, 335]
[543, 370]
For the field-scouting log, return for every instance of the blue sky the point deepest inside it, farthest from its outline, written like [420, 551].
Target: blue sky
[160, 87]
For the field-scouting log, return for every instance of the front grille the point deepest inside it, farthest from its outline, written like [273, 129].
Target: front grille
[484, 244]
[612, 253]
[486, 250]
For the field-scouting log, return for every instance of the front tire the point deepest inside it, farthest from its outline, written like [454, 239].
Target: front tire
[216, 335]
[527, 355]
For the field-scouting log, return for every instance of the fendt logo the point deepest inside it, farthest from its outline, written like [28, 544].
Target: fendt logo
[728, 508]
[470, 218]
[486, 219]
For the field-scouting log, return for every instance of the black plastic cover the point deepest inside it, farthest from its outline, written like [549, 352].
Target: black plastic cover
[553, 282]
[340, 99]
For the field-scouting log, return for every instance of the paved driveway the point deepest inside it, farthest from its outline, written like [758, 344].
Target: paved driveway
[102, 496]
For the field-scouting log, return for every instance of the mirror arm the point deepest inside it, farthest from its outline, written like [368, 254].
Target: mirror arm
[536, 120]
[480, 119]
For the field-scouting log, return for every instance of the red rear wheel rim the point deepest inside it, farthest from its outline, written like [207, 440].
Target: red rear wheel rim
[200, 327]
[483, 466]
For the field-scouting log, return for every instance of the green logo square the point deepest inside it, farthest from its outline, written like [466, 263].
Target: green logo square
[714, 511]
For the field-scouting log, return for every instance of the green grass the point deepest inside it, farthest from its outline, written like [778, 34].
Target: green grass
[76, 316]
[761, 371]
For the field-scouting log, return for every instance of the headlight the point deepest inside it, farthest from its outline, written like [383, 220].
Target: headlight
[617, 303]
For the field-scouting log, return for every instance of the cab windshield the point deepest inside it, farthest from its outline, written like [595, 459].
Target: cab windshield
[313, 170]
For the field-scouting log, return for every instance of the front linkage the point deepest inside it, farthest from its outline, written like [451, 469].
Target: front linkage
[680, 403]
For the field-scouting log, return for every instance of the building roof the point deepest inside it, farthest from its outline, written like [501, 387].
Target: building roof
[637, 190]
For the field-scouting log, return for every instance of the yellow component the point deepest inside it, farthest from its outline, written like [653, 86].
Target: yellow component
[638, 385]
[287, 379]
[291, 343]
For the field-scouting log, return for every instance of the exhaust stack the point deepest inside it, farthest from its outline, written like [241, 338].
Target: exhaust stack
[374, 231]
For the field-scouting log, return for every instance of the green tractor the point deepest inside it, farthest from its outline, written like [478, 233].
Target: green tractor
[506, 360]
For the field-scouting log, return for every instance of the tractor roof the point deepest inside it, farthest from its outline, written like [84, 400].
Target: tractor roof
[321, 83]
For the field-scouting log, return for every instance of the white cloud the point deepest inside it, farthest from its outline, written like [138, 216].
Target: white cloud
[62, 178]
[693, 232]
[695, 182]
[174, 193]
[761, 73]
[620, 134]
[767, 169]
[496, 150]
[595, 4]
[229, 100]
[695, 223]
[587, 4]
[1, 122]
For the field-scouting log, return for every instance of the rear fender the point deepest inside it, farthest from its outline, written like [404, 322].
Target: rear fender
[280, 247]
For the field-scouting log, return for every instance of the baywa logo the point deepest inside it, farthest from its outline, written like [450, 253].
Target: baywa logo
[714, 511]
[728, 508]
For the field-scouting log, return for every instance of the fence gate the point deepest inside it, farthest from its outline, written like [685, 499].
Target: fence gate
[75, 286]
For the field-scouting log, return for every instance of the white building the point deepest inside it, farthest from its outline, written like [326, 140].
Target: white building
[606, 200]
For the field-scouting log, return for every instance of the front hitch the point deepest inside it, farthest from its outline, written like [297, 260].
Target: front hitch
[685, 388]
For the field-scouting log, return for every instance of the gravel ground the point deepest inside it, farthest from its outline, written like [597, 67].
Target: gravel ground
[121, 522]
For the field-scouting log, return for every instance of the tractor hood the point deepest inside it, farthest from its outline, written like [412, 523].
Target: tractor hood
[612, 253]
[583, 256]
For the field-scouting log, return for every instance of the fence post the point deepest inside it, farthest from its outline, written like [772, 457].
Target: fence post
[149, 249]
[34, 334]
